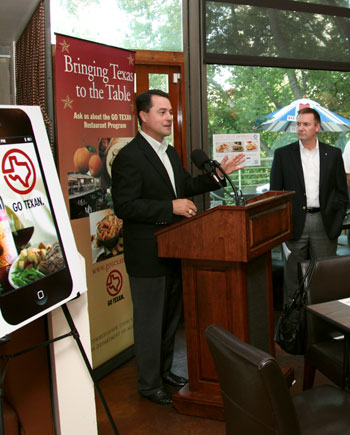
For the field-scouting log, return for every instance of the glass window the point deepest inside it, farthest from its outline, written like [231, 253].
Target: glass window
[161, 81]
[240, 98]
[247, 30]
[158, 81]
[138, 24]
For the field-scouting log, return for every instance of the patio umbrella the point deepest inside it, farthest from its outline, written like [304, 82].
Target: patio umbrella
[285, 119]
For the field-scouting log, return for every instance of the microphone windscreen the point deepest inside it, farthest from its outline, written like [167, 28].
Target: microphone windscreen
[199, 158]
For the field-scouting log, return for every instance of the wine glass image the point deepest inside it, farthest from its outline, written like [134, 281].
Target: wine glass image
[22, 227]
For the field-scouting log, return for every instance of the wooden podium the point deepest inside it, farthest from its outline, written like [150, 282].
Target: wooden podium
[227, 280]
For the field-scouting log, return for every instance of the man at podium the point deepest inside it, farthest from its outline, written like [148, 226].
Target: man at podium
[150, 190]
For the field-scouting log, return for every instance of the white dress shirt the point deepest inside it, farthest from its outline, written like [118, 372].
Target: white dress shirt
[160, 148]
[310, 160]
[346, 157]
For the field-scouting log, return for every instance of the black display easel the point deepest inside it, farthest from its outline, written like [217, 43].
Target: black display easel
[73, 333]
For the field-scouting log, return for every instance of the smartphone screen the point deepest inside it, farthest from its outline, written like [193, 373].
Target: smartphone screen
[34, 274]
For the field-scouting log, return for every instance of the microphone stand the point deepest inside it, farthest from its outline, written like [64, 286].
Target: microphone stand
[239, 198]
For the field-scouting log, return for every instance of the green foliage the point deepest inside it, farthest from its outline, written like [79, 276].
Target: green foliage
[158, 81]
[153, 25]
[72, 6]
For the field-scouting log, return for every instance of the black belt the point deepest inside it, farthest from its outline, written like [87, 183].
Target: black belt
[313, 209]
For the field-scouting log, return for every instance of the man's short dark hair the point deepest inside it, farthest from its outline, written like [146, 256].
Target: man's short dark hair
[144, 101]
[310, 110]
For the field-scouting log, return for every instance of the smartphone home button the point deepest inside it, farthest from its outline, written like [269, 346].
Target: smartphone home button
[41, 297]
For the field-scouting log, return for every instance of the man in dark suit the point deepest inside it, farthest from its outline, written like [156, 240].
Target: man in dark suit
[150, 190]
[315, 171]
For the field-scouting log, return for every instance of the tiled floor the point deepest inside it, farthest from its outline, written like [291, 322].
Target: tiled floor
[135, 415]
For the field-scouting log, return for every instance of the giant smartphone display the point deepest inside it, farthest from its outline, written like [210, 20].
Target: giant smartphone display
[40, 268]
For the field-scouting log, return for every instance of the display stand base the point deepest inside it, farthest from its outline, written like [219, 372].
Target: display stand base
[73, 333]
[76, 336]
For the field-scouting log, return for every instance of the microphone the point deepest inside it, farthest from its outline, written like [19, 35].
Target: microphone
[202, 161]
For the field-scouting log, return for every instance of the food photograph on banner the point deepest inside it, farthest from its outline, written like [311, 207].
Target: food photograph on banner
[89, 184]
[106, 235]
[94, 97]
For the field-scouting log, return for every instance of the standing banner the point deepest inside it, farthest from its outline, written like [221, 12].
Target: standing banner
[94, 95]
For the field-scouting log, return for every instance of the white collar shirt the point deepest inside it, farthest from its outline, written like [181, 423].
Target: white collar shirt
[160, 148]
[310, 160]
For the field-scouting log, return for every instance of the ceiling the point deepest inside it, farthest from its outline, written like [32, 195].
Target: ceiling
[14, 15]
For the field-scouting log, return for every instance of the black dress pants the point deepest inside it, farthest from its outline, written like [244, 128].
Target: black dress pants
[157, 303]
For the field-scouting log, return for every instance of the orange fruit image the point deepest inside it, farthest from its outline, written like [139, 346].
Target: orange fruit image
[95, 165]
[81, 159]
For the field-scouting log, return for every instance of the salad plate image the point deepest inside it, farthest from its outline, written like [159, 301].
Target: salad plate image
[35, 263]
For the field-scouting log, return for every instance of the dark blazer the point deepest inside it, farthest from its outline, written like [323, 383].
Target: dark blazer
[142, 196]
[287, 174]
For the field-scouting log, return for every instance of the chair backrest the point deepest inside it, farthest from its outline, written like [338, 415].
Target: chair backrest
[256, 397]
[329, 281]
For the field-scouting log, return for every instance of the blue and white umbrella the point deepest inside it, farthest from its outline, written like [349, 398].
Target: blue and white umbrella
[285, 119]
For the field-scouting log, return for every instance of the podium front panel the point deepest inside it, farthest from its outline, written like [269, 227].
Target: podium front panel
[233, 295]
[213, 294]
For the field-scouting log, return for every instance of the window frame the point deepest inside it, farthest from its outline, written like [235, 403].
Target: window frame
[279, 62]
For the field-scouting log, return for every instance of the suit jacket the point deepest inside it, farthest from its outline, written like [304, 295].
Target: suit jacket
[142, 196]
[287, 174]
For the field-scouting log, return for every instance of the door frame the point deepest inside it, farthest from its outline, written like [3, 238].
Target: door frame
[168, 58]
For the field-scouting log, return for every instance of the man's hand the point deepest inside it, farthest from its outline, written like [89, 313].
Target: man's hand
[231, 164]
[184, 207]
